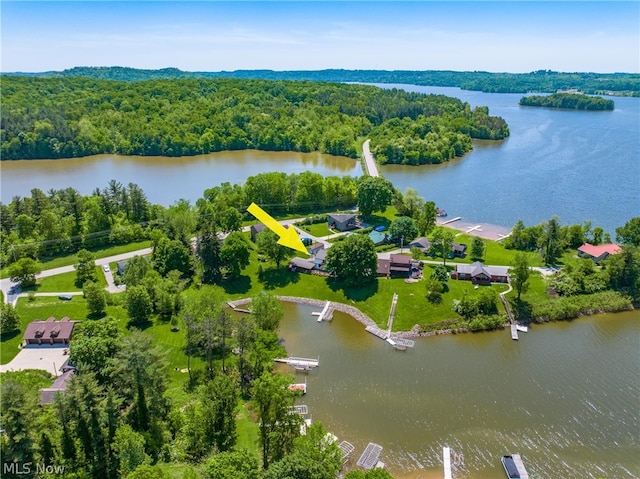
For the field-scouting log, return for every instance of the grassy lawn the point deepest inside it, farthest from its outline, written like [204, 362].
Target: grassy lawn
[101, 252]
[247, 429]
[318, 229]
[374, 299]
[63, 282]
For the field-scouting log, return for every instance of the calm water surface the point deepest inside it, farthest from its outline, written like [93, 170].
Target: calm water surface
[164, 180]
[565, 396]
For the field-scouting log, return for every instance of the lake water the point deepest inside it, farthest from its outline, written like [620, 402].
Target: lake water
[578, 165]
[565, 396]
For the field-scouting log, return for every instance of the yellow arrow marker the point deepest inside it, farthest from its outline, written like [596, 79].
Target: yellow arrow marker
[288, 236]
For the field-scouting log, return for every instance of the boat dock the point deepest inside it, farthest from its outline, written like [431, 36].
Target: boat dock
[381, 333]
[299, 387]
[514, 467]
[514, 331]
[347, 448]
[301, 409]
[518, 462]
[522, 329]
[400, 344]
[326, 314]
[300, 363]
[452, 220]
[446, 460]
[233, 306]
[369, 458]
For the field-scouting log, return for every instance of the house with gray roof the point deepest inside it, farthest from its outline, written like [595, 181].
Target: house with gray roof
[341, 222]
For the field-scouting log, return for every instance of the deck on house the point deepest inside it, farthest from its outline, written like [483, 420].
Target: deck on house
[369, 458]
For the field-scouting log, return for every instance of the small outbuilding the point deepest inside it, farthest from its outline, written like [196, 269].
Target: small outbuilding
[255, 229]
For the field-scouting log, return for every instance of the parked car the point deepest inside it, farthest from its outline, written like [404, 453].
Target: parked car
[65, 297]
[105, 267]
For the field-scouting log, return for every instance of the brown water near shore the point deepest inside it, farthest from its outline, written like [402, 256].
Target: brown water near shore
[564, 396]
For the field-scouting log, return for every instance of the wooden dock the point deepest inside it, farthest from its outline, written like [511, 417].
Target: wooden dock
[522, 329]
[514, 331]
[369, 458]
[518, 462]
[304, 363]
[401, 344]
[446, 460]
[452, 220]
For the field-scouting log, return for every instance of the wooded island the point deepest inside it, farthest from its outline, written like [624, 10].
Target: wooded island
[570, 101]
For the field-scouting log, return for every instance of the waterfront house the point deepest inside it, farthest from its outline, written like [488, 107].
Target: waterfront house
[314, 248]
[598, 252]
[49, 331]
[319, 258]
[341, 222]
[480, 273]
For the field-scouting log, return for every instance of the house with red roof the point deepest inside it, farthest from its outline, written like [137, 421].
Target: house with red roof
[49, 331]
[598, 252]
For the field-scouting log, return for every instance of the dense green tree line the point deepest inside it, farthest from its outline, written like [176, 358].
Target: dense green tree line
[72, 117]
[569, 101]
[541, 81]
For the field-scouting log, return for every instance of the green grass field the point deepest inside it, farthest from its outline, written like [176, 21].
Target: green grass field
[318, 229]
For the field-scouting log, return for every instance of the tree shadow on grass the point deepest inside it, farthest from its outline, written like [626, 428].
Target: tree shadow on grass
[9, 335]
[237, 285]
[278, 278]
[354, 293]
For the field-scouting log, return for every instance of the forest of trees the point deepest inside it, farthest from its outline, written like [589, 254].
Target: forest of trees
[73, 117]
[569, 101]
[544, 81]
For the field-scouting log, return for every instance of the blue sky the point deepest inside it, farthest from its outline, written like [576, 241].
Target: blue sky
[511, 36]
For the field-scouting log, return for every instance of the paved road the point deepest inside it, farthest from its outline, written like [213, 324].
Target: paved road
[369, 160]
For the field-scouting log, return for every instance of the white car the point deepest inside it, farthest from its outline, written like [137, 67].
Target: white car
[105, 268]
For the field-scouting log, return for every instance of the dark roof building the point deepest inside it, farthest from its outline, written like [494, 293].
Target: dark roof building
[49, 331]
[302, 265]
[481, 273]
[255, 229]
[458, 250]
[421, 243]
[58, 386]
[341, 222]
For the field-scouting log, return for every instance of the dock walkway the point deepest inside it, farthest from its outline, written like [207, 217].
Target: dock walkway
[392, 313]
[326, 314]
[446, 459]
[299, 362]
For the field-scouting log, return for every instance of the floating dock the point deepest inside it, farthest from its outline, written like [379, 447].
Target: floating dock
[301, 409]
[522, 329]
[304, 364]
[514, 331]
[400, 344]
[369, 458]
[446, 460]
[518, 462]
